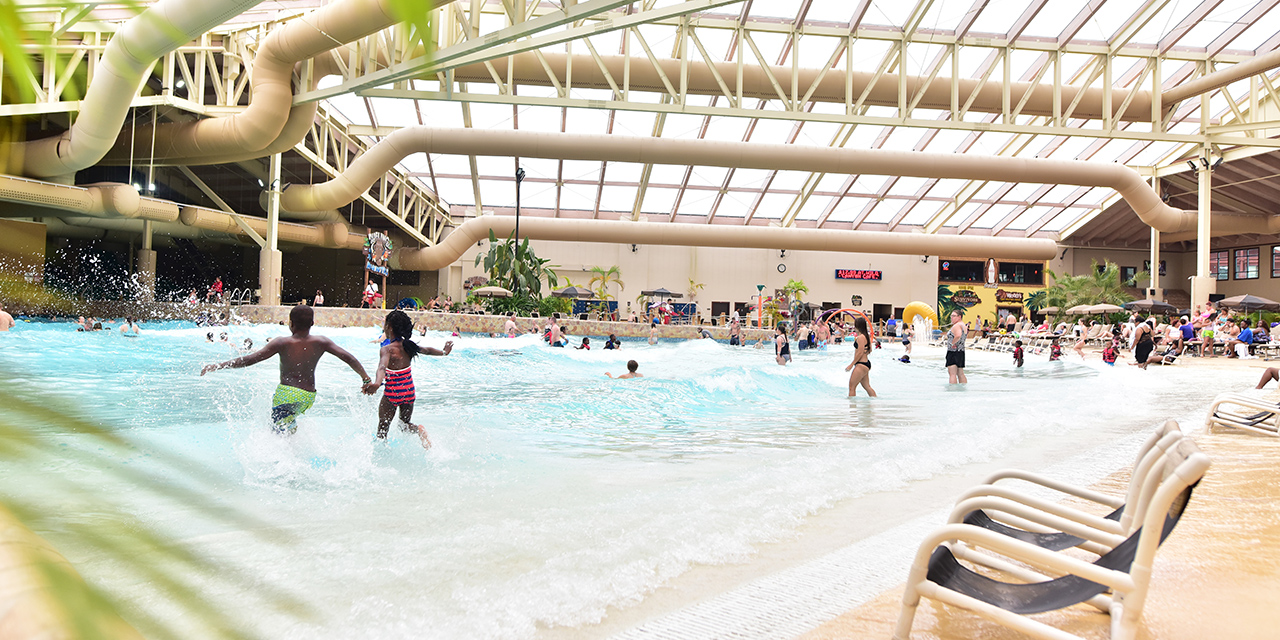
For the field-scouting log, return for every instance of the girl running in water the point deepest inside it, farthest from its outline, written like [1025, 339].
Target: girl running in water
[394, 368]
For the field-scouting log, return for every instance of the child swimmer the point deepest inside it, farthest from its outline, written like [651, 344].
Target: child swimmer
[395, 370]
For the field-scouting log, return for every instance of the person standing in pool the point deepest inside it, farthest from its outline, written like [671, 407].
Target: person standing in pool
[632, 372]
[299, 353]
[395, 369]
[735, 333]
[861, 365]
[6, 320]
[955, 349]
[781, 348]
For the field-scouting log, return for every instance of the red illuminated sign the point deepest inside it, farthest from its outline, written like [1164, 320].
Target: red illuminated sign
[857, 274]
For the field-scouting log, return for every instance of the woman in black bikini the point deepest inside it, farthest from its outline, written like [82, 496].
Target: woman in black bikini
[861, 365]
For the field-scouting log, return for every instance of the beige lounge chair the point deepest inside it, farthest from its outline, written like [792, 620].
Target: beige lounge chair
[1240, 411]
[1045, 580]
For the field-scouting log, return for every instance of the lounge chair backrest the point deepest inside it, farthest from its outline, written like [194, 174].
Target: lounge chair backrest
[1138, 511]
[1184, 466]
[1147, 470]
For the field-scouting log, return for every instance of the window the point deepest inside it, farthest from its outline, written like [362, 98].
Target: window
[1246, 264]
[1127, 274]
[961, 271]
[1218, 266]
[1275, 261]
[1021, 273]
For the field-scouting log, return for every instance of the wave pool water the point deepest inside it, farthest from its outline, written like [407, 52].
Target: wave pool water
[554, 495]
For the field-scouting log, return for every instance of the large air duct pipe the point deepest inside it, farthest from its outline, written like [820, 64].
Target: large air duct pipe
[260, 127]
[107, 200]
[1225, 224]
[1218, 79]
[528, 69]
[160, 29]
[331, 235]
[365, 170]
[706, 235]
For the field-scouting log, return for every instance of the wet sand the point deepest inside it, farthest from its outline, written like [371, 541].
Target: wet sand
[1216, 576]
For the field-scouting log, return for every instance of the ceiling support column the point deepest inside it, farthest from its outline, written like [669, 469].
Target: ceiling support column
[270, 258]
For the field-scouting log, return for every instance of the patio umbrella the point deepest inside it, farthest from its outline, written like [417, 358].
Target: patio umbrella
[1048, 310]
[573, 292]
[1151, 306]
[1103, 308]
[1249, 303]
[1079, 310]
[661, 293]
[492, 292]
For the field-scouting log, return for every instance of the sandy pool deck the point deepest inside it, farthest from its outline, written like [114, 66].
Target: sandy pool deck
[1217, 575]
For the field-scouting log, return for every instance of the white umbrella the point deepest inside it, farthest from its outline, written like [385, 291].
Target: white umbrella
[1079, 310]
[492, 292]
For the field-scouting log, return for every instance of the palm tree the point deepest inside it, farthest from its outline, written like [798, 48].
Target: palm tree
[1100, 285]
[601, 279]
[945, 304]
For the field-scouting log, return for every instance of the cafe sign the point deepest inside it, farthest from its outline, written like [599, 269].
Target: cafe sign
[858, 274]
[1009, 296]
[966, 298]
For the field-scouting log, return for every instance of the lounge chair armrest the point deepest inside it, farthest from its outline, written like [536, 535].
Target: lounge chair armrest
[1038, 558]
[1243, 400]
[1062, 487]
[1054, 518]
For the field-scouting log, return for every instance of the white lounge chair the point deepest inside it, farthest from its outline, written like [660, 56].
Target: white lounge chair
[1048, 580]
[1240, 411]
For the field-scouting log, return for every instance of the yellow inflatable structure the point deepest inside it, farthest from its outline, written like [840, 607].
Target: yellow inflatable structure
[919, 309]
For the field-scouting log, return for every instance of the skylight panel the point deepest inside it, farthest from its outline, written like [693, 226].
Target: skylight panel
[619, 199]
[947, 188]
[1214, 24]
[947, 141]
[708, 176]
[922, 213]
[633, 123]
[716, 42]
[667, 174]
[832, 183]
[787, 9]
[587, 93]
[972, 61]
[543, 119]
[999, 16]
[907, 186]
[394, 112]
[964, 214]
[581, 170]
[733, 10]
[1053, 18]
[451, 165]
[697, 203]
[1257, 33]
[867, 54]
[904, 139]
[592, 121]
[1028, 217]
[1060, 194]
[748, 178]
[577, 196]
[456, 191]
[659, 200]
[774, 205]
[864, 137]
[490, 116]
[1165, 21]
[660, 37]
[1106, 21]
[813, 209]
[991, 142]
[415, 163]
[789, 180]
[993, 215]
[1022, 191]
[829, 11]
[1095, 196]
[818, 134]
[735, 205]
[1060, 221]
[606, 44]
[988, 190]
[848, 209]
[884, 211]
[945, 16]
[1153, 154]
[623, 172]
[533, 196]
[437, 113]
[350, 107]
[769, 131]
[490, 22]
[495, 166]
[682, 126]
[892, 13]
[770, 46]
[727, 129]
[540, 167]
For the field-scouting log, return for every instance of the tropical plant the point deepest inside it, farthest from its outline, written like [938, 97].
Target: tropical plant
[41, 443]
[794, 289]
[1100, 284]
[945, 303]
[520, 271]
[1036, 301]
[601, 279]
[694, 288]
[548, 306]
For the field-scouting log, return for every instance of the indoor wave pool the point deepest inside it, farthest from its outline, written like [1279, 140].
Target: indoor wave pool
[557, 502]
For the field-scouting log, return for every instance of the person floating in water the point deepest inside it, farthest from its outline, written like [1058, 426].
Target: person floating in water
[299, 353]
[395, 370]
[632, 371]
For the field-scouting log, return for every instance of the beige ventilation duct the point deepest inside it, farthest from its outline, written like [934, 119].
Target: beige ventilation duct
[107, 200]
[331, 235]
[366, 169]
[707, 235]
[261, 124]
[527, 69]
[160, 29]
[1219, 79]
[1226, 224]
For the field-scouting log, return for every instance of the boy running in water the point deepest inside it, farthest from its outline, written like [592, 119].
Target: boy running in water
[1017, 352]
[394, 368]
[1109, 354]
[299, 354]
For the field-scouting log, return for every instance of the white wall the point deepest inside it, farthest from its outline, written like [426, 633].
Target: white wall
[731, 275]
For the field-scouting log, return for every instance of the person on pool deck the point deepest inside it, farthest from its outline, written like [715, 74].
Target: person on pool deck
[632, 372]
[861, 365]
[955, 349]
[6, 320]
[781, 348]
[1143, 342]
[395, 362]
[299, 353]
